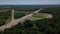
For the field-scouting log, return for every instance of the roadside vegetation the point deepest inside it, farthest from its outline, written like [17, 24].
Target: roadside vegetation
[5, 16]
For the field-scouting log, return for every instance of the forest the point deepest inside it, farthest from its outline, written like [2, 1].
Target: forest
[43, 26]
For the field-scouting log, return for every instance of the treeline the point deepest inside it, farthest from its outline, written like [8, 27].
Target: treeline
[5, 16]
[18, 15]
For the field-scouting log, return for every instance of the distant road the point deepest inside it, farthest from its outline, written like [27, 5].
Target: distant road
[20, 20]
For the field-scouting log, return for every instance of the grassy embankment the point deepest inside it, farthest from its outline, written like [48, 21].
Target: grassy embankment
[40, 15]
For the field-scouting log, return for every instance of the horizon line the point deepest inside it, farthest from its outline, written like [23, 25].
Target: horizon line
[27, 4]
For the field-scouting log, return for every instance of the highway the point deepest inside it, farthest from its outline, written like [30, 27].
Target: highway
[16, 21]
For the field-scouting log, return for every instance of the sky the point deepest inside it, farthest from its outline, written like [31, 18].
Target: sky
[28, 2]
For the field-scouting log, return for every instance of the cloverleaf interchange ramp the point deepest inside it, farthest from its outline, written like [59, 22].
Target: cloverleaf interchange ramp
[16, 21]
